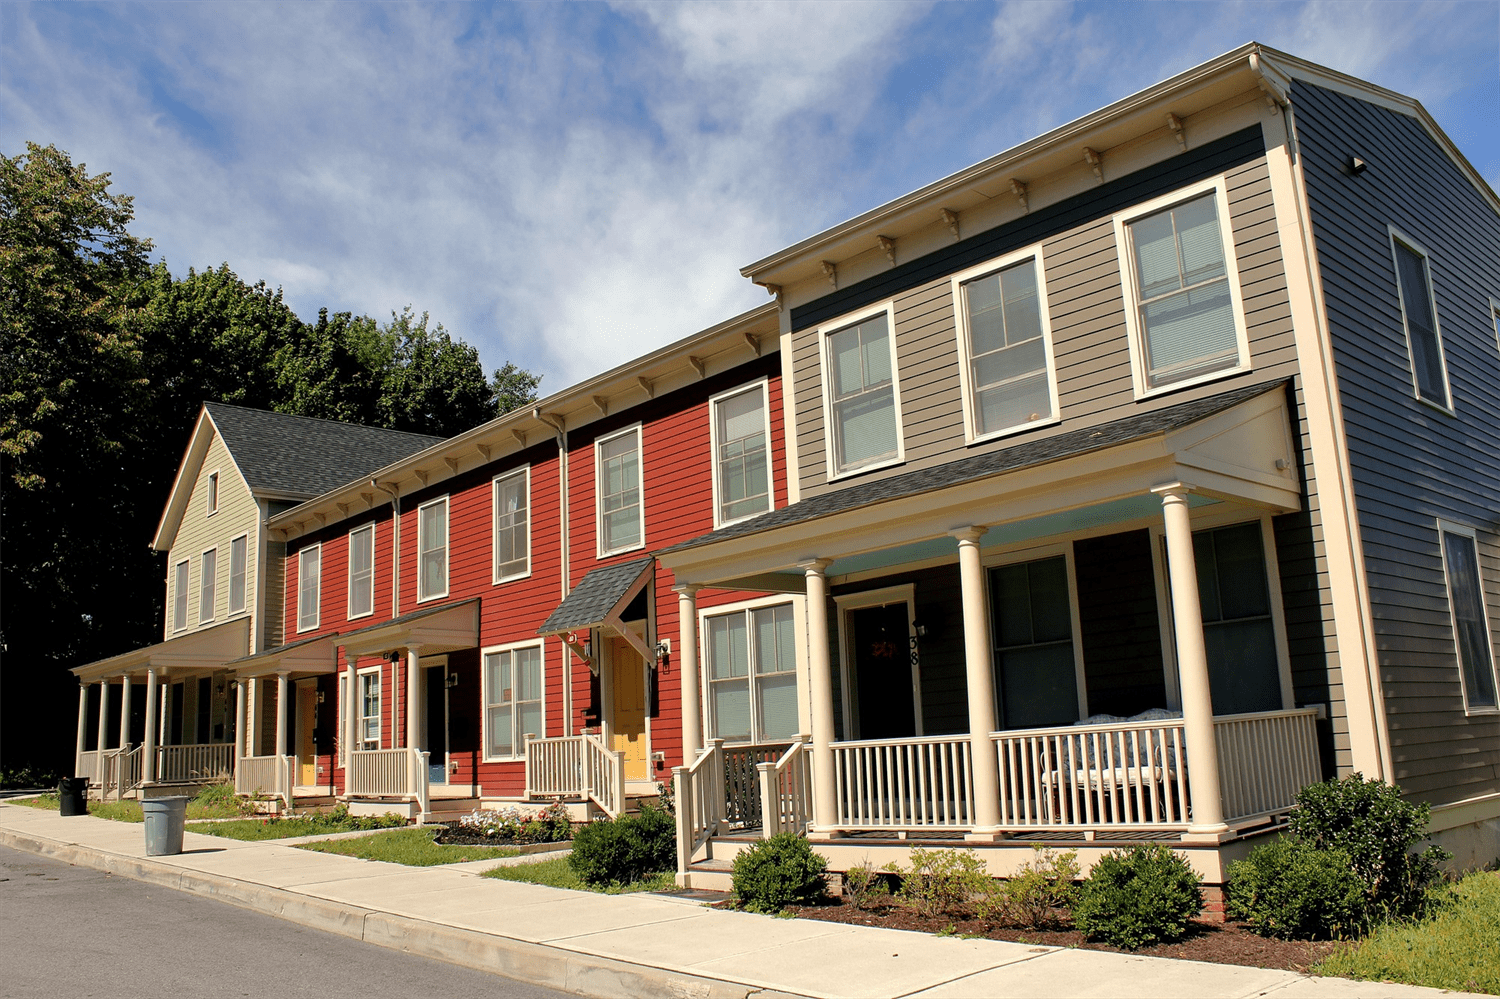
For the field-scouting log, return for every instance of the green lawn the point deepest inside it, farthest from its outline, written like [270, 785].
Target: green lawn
[557, 874]
[1459, 948]
[412, 847]
[217, 801]
[271, 827]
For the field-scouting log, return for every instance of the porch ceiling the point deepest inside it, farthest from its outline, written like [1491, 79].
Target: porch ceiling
[435, 629]
[1236, 446]
[318, 654]
[210, 648]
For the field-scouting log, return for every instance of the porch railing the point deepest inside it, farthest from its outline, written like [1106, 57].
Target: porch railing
[699, 796]
[199, 761]
[1265, 758]
[265, 775]
[742, 784]
[604, 774]
[122, 770]
[388, 773]
[904, 783]
[786, 791]
[1122, 774]
[554, 767]
[87, 766]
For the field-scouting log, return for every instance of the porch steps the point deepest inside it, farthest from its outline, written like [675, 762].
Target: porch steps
[711, 874]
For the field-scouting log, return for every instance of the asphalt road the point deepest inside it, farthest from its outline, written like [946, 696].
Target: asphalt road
[70, 931]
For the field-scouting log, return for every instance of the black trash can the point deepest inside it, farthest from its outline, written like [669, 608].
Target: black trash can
[73, 795]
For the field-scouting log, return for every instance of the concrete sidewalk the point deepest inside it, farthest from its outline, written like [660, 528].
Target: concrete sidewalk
[635, 945]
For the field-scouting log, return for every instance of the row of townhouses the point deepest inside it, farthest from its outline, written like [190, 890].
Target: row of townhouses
[1111, 489]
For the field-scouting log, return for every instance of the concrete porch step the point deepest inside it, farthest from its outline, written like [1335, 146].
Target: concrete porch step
[711, 874]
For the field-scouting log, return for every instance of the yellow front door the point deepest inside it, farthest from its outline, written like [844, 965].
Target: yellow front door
[628, 718]
[307, 721]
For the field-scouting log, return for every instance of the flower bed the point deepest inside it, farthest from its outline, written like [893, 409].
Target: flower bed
[508, 827]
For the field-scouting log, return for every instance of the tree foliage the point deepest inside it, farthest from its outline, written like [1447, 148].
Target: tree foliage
[105, 360]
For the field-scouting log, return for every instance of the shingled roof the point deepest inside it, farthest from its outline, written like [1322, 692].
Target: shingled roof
[300, 456]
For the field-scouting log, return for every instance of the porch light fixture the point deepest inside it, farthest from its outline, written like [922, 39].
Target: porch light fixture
[663, 649]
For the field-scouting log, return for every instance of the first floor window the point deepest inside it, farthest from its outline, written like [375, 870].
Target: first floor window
[180, 596]
[206, 586]
[309, 561]
[362, 571]
[1238, 634]
[861, 385]
[752, 674]
[1034, 657]
[512, 525]
[1471, 632]
[237, 558]
[369, 710]
[432, 547]
[512, 700]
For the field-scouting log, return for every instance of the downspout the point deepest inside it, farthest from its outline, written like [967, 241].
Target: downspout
[565, 576]
[395, 494]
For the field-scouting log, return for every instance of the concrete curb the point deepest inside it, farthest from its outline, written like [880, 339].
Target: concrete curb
[538, 964]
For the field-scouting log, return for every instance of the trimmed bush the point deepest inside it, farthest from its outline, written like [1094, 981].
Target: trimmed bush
[1138, 897]
[626, 849]
[1292, 890]
[940, 881]
[779, 872]
[1377, 829]
[1041, 889]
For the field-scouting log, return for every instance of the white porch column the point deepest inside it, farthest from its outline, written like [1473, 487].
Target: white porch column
[83, 724]
[820, 676]
[124, 711]
[163, 729]
[253, 711]
[148, 750]
[103, 723]
[281, 698]
[1192, 664]
[687, 668]
[979, 675]
[413, 698]
[239, 724]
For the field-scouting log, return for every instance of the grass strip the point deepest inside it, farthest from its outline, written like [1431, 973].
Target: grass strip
[216, 801]
[557, 873]
[412, 847]
[1457, 948]
[275, 828]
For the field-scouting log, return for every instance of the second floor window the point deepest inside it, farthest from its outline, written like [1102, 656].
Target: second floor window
[618, 475]
[1184, 308]
[512, 525]
[362, 571]
[238, 549]
[180, 596]
[861, 389]
[1418, 309]
[432, 549]
[742, 474]
[1009, 382]
[207, 586]
[309, 564]
[1471, 632]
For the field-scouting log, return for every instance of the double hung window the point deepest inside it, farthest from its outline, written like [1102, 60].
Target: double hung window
[369, 709]
[180, 595]
[362, 571]
[1034, 655]
[1185, 318]
[1238, 632]
[618, 474]
[1007, 349]
[432, 549]
[752, 670]
[1419, 313]
[512, 525]
[862, 398]
[1471, 630]
[238, 549]
[742, 473]
[512, 700]
[309, 581]
[208, 586]
[213, 493]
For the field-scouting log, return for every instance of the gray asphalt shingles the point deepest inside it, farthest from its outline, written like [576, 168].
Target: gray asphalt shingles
[594, 596]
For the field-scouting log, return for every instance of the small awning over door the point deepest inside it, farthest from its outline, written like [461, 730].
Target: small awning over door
[307, 657]
[597, 602]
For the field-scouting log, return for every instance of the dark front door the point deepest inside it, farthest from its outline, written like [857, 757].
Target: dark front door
[879, 639]
[436, 698]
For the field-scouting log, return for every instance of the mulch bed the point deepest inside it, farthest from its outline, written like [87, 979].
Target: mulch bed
[1221, 943]
[451, 836]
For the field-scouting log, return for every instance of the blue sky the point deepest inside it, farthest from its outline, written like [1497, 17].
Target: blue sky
[570, 185]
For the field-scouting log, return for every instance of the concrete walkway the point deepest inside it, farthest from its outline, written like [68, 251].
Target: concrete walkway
[622, 945]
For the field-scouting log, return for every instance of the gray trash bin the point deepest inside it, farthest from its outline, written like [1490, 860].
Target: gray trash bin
[164, 818]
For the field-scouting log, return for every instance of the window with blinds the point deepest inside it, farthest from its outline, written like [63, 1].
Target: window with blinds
[741, 435]
[432, 549]
[618, 474]
[512, 525]
[180, 596]
[362, 571]
[1184, 308]
[208, 586]
[1419, 313]
[1471, 630]
[238, 549]
[309, 579]
[859, 372]
[1010, 385]
[512, 700]
[752, 674]
[369, 709]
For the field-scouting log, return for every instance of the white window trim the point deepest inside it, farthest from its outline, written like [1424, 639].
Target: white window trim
[1397, 236]
[317, 617]
[764, 385]
[1449, 527]
[182, 592]
[211, 499]
[640, 467]
[1037, 554]
[484, 698]
[523, 471]
[357, 704]
[447, 548]
[804, 678]
[1133, 329]
[1495, 319]
[904, 593]
[212, 583]
[229, 587]
[349, 570]
[824, 332]
[966, 368]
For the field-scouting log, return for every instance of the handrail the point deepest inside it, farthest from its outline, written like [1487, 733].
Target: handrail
[699, 796]
[604, 774]
[786, 791]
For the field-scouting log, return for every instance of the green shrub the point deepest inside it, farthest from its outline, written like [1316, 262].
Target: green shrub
[1041, 889]
[941, 880]
[1137, 897]
[779, 872]
[1290, 889]
[1370, 822]
[626, 849]
[220, 801]
[863, 885]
